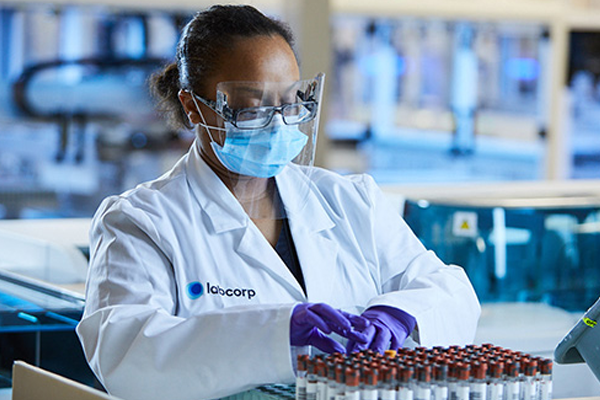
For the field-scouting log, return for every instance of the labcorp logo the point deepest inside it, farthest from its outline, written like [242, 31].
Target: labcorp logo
[196, 289]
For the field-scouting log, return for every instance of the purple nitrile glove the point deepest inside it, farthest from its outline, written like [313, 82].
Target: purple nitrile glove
[389, 329]
[311, 323]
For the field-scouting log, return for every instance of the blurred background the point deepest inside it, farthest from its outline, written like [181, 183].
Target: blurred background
[481, 119]
[418, 92]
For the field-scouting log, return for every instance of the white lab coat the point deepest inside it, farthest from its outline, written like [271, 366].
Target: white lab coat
[146, 337]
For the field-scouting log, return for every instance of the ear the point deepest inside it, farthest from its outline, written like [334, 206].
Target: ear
[189, 106]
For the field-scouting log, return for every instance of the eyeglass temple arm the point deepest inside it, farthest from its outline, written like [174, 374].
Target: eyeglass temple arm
[309, 93]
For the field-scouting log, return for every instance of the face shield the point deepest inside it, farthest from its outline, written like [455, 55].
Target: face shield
[265, 130]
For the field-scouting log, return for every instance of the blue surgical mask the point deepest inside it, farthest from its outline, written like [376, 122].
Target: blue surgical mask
[261, 153]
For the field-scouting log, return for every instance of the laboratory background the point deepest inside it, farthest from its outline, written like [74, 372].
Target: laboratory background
[479, 119]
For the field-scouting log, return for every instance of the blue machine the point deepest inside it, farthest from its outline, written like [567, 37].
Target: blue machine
[37, 325]
[543, 250]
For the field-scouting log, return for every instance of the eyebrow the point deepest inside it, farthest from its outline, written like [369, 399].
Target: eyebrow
[250, 90]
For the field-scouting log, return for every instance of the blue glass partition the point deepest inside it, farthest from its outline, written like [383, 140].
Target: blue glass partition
[545, 249]
[37, 325]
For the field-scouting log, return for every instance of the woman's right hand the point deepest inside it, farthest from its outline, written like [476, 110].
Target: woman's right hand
[311, 323]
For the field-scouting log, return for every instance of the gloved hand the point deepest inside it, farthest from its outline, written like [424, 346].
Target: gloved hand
[389, 329]
[311, 323]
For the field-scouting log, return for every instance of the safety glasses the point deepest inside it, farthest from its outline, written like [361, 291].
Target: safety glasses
[259, 117]
[252, 105]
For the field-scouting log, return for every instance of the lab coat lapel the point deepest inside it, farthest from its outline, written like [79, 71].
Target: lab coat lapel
[222, 208]
[259, 253]
[226, 214]
[310, 224]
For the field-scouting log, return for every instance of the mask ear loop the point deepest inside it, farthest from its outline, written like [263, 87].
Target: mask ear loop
[204, 124]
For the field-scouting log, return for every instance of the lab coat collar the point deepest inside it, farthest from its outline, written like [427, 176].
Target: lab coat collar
[302, 201]
[221, 206]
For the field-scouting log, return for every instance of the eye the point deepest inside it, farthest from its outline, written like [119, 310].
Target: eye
[247, 102]
[255, 117]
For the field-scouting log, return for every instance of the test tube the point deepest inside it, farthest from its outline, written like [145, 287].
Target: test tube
[404, 375]
[321, 370]
[387, 384]
[478, 389]
[340, 381]
[463, 374]
[440, 376]
[454, 374]
[331, 379]
[452, 382]
[546, 380]
[423, 383]
[311, 380]
[352, 391]
[529, 389]
[511, 387]
[301, 376]
[390, 353]
[369, 384]
[495, 385]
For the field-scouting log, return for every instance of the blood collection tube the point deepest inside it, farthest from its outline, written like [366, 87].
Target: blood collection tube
[478, 389]
[321, 371]
[485, 372]
[311, 380]
[511, 387]
[390, 353]
[301, 377]
[546, 379]
[369, 384]
[423, 383]
[452, 381]
[340, 381]
[331, 378]
[387, 385]
[463, 371]
[440, 380]
[352, 391]
[404, 375]
[529, 388]
[495, 385]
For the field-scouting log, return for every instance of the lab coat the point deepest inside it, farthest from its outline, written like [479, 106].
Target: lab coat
[186, 299]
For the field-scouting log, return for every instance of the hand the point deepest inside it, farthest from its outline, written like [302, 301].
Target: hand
[311, 323]
[388, 329]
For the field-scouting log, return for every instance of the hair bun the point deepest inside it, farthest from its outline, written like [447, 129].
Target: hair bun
[165, 87]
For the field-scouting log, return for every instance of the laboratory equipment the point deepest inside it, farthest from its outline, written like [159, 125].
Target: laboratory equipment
[467, 365]
[583, 107]
[42, 276]
[528, 246]
[78, 122]
[37, 325]
[33, 249]
[429, 99]
[581, 343]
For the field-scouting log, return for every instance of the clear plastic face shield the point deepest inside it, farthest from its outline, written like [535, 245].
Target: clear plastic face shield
[263, 130]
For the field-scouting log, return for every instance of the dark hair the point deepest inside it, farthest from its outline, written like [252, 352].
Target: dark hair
[204, 39]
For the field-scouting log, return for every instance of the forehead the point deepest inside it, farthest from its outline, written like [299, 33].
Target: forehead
[257, 59]
[258, 89]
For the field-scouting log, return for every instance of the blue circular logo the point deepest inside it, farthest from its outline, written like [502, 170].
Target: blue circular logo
[195, 290]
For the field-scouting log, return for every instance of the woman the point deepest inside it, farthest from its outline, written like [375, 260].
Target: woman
[208, 280]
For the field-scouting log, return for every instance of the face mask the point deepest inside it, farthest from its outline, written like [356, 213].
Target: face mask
[261, 153]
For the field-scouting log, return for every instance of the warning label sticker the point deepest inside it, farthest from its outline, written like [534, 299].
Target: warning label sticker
[464, 224]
